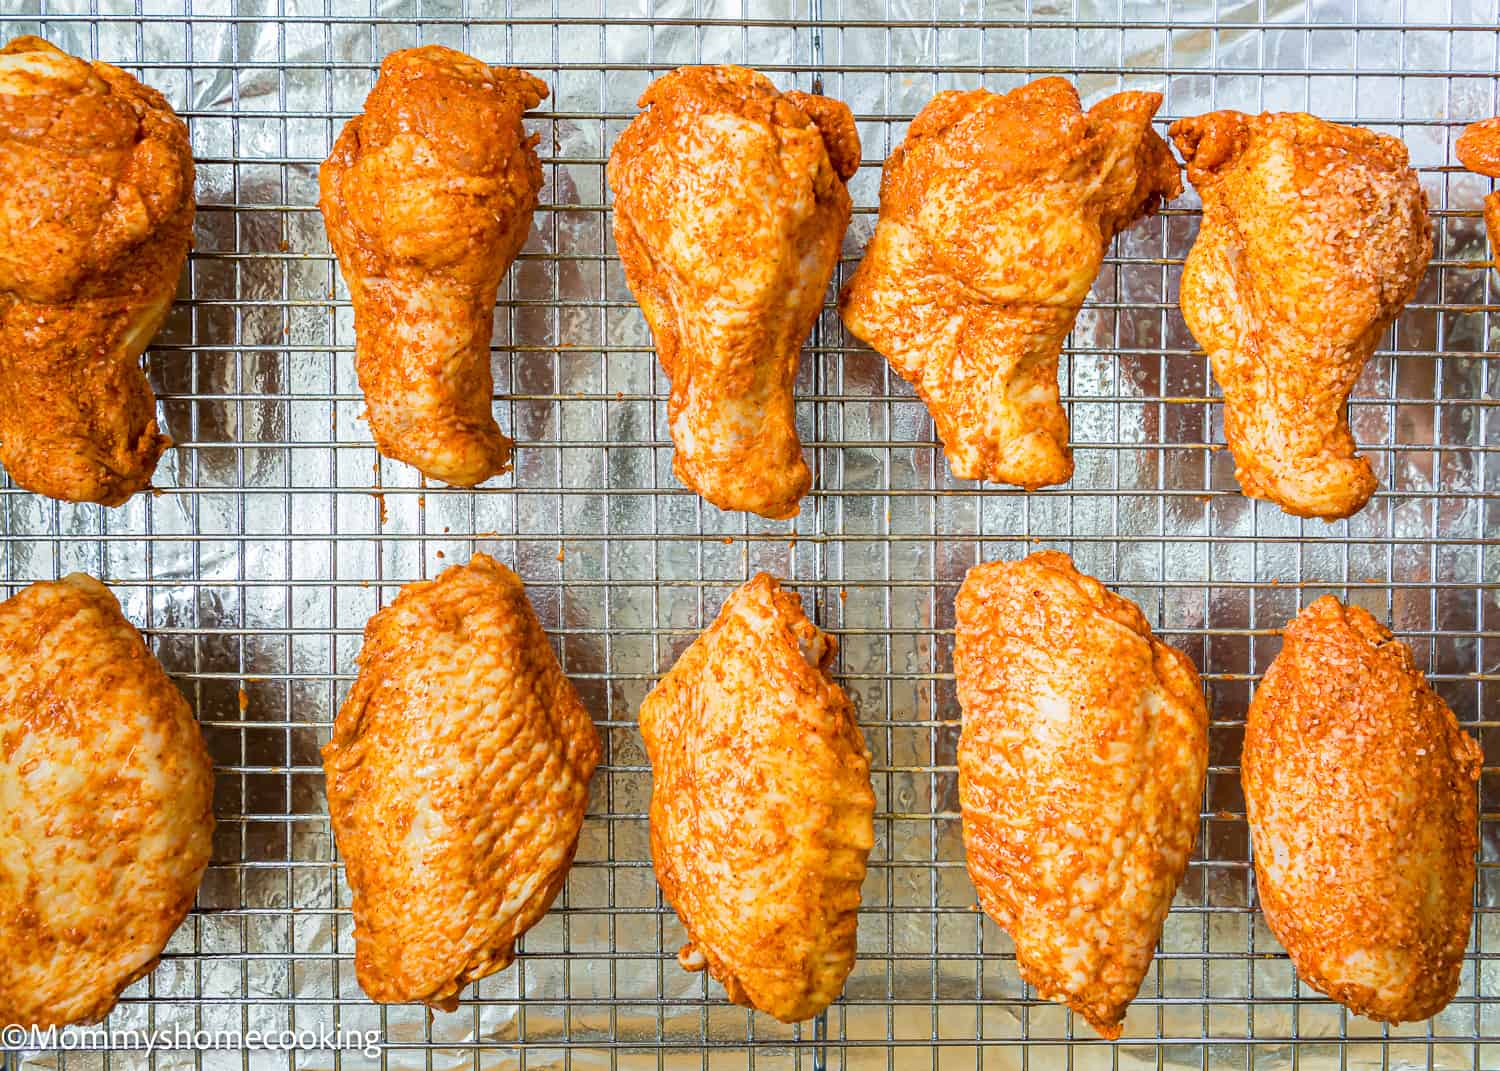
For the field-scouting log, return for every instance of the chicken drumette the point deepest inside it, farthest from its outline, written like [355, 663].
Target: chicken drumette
[1478, 149]
[428, 198]
[1314, 237]
[995, 213]
[1360, 792]
[96, 216]
[1080, 771]
[457, 776]
[106, 804]
[762, 814]
[729, 209]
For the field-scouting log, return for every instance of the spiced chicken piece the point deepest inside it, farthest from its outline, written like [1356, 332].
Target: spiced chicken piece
[427, 198]
[995, 214]
[729, 210]
[762, 812]
[1360, 792]
[1081, 766]
[1314, 237]
[458, 775]
[106, 804]
[1478, 149]
[96, 216]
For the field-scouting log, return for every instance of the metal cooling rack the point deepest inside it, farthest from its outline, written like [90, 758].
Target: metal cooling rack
[277, 529]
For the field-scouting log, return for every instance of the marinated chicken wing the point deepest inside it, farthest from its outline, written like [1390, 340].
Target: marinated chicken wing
[428, 198]
[106, 804]
[995, 214]
[457, 776]
[96, 216]
[1080, 771]
[1478, 149]
[1360, 791]
[762, 814]
[1314, 237]
[729, 209]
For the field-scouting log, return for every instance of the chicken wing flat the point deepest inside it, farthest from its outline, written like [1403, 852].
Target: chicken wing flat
[458, 774]
[762, 813]
[1080, 772]
[995, 214]
[1314, 237]
[1478, 149]
[428, 198]
[106, 804]
[96, 216]
[1360, 792]
[729, 210]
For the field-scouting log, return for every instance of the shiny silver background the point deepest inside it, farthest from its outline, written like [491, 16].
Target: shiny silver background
[277, 530]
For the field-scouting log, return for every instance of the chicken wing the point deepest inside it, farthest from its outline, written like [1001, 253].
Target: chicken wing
[457, 777]
[106, 804]
[729, 210]
[1360, 792]
[1478, 149]
[1314, 237]
[995, 213]
[762, 814]
[96, 216]
[428, 198]
[1080, 771]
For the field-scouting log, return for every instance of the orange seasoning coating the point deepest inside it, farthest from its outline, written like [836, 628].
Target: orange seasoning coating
[995, 214]
[458, 776]
[428, 197]
[762, 812]
[729, 210]
[1314, 237]
[96, 216]
[106, 804]
[1478, 149]
[1360, 791]
[1080, 774]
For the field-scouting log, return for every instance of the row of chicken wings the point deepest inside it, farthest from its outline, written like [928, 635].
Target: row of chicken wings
[458, 783]
[730, 209]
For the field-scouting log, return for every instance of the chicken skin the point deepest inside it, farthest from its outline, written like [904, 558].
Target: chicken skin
[995, 214]
[458, 774]
[106, 804]
[1360, 792]
[762, 813]
[96, 216]
[428, 198]
[1081, 766]
[1314, 237]
[729, 209]
[1478, 149]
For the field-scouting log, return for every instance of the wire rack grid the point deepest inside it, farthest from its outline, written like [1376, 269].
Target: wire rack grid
[276, 530]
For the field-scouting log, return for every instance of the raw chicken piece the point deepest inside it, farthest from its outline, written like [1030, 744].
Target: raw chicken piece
[457, 776]
[428, 198]
[729, 209]
[1360, 791]
[96, 216]
[1314, 237]
[1080, 772]
[762, 814]
[106, 804]
[1478, 149]
[995, 214]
